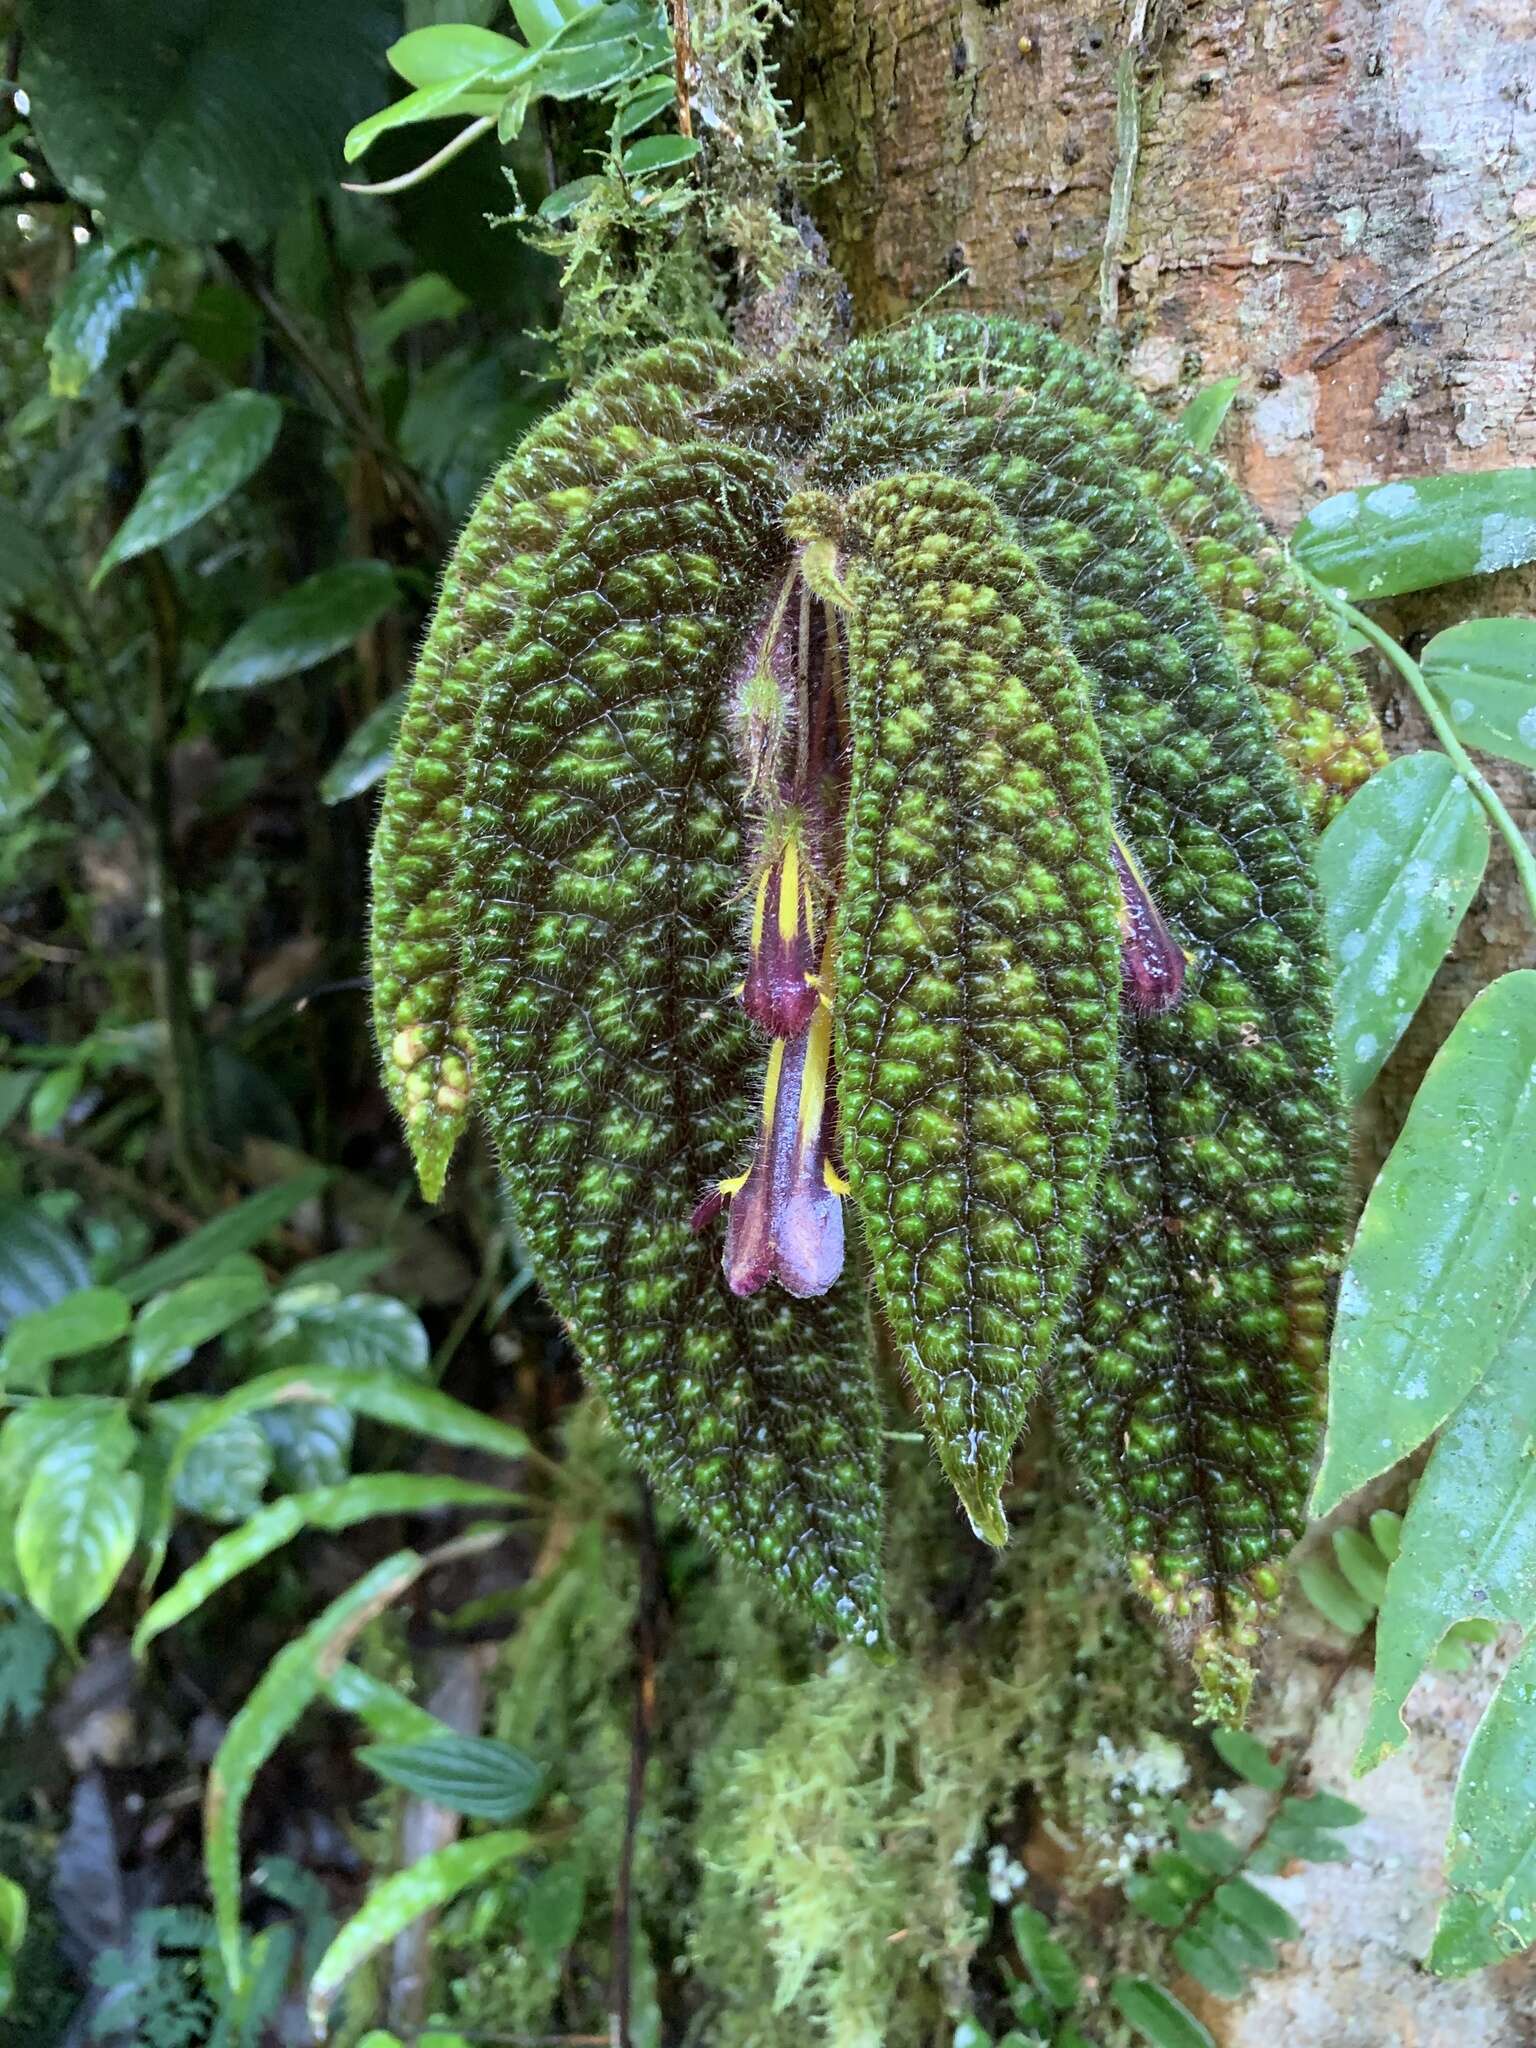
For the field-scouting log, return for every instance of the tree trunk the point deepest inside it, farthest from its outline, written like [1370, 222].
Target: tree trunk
[1328, 201]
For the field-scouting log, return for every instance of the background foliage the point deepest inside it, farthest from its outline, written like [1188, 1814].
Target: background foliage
[349, 1679]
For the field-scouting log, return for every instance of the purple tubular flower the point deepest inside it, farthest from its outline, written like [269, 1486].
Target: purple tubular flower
[780, 990]
[786, 1210]
[1151, 958]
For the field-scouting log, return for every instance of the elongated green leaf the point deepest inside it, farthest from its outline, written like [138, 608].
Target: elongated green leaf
[1051, 1970]
[394, 1904]
[451, 51]
[364, 760]
[290, 1682]
[333, 1508]
[1388, 538]
[427, 298]
[1484, 673]
[217, 451]
[318, 618]
[1241, 1900]
[78, 1518]
[451, 96]
[1213, 1970]
[1491, 1863]
[81, 1322]
[40, 1261]
[384, 1711]
[171, 1326]
[247, 1224]
[106, 287]
[1468, 1541]
[466, 1773]
[1445, 1254]
[1363, 1566]
[1333, 1596]
[1202, 419]
[1398, 868]
[650, 99]
[659, 153]
[1245, 1754]
[1156, 2015]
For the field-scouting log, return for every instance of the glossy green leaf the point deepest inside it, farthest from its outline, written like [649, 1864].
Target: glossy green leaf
[81, 1322]
[580, 71]
[248, 1223]
[394, 1904]
[1484, 674]
[1202, 419]
[318, 1325]
[1156, 2016]
[170, 1327]
[40, 1261]
[1241, 1900]
[220, 448]
[452, 96]
[1397, 868]
[311, 1445]
[1445, 1253]
[451, 51]
[1491, 1864]
[296, 1675]
[649, 100]
[106, 287]
[79, 1517]
[364, 760]
[317, 619]
[1469, 1537]
[224, 1470]
[1051, 1970]
[659, 153]
[332, 1508]
[468, 1774]
[1247, 1756]
[199, 121]
[1387, 538]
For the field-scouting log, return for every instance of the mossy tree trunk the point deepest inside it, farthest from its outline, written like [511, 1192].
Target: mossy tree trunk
[1328, 201]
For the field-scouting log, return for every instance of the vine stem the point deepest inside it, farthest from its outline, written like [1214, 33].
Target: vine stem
[1519, 846]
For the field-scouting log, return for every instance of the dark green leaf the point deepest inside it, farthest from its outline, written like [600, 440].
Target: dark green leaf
[107, 285]
[1214, 1971]
[650, 98]
[1247, 1756]
[190, 121]
[1321, 1810]
[425, 299]
[28, 1647]
[566, 198]
[169, 1328]
[1051, 1970]
[311, 1445]
[318, 618]
[1397, 867]
[659, 153]
[1235, 1940]
[40, 1261]
[237, 1230]
[223, 1470]
[573, 72]
[365, 758]
[1156, 2015]
[394, 1904]
[318, 1325]
[1484, 673]
[466, 1773]
[223, 326]
[550, 1916]
[81, 1322]
[1149, 1895]
[1202, 419]
[1211, 1850]
[1445, 1253]
[1388, 538]
[1243, 1901]
[79, 1517]
[217, 451]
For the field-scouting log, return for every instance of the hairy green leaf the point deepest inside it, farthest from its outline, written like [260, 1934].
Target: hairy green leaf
[217, 450]
[1387, 538]
[394, 1904]
[1398, 869]
[1468, 1540]
[1484, 673]
[1445, 1253]
[466, 1773]
[318, 618]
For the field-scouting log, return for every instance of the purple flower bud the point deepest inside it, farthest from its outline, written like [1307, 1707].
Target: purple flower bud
[1151, 958]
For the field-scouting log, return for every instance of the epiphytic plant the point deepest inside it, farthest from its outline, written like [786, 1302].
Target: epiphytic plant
[887, 785]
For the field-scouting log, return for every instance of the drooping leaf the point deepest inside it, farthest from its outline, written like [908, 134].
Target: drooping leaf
[466, 1773]
[105, 288]
[248, 1223]
[79, 1517]
[1202, 419]
[1445, 1253]
[83, 1321]
[191, 122]
[333, 1508]
[1384, 539]
[1468, 1540]
[1491, 1863]
[1156, 2015]
[318, 618]
[1484, 674]
[170, 1326]
[364, 761]
[1398, 869]
[979, 966]
[394, 1904]
[294, 1678]
[217, 450]
[473, 93]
